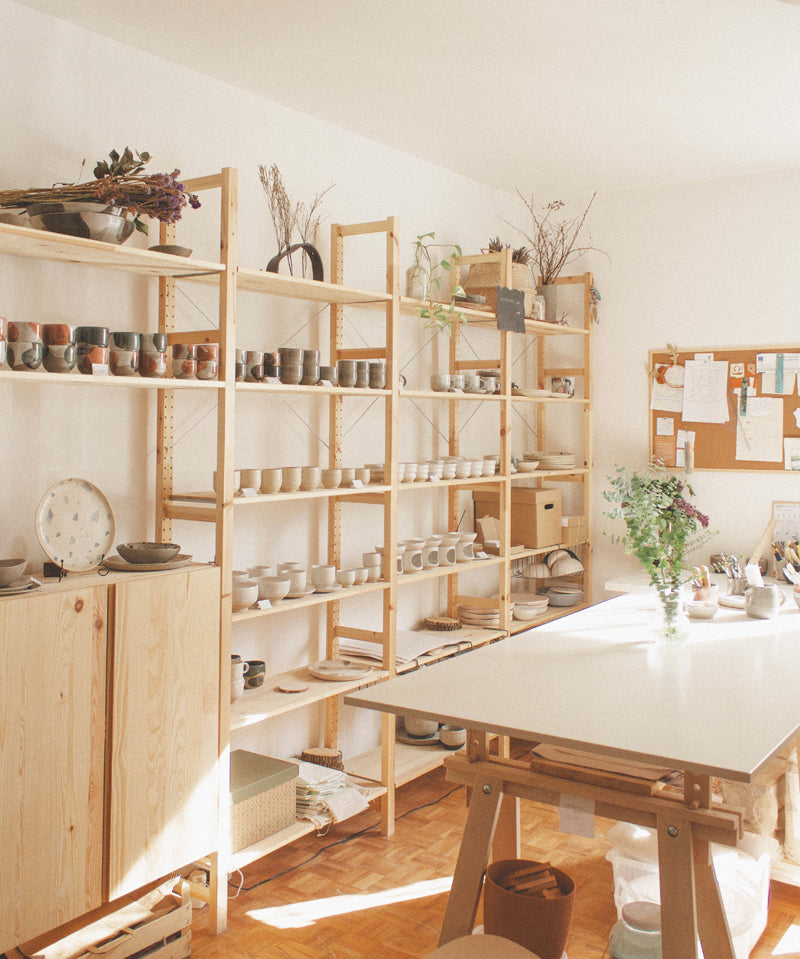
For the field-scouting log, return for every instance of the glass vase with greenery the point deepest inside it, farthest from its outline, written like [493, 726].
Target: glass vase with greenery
[662, 528]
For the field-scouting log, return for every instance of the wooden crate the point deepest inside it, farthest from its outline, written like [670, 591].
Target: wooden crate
[157, 925]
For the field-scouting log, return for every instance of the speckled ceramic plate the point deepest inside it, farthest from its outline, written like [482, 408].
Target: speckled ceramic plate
[75, 525]
[339, 670]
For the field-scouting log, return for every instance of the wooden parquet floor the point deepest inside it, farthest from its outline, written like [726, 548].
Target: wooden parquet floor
[378, 898]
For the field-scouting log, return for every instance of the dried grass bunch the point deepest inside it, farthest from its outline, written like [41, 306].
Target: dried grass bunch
[119, 183]
[553, 242]
[288, 217]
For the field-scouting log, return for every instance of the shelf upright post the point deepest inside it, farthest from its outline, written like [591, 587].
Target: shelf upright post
[391, 430]
[504, 491]
[588, 433]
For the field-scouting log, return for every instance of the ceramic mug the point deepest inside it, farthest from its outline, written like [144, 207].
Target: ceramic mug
[323, 576]
[254, 673]
[763, 602]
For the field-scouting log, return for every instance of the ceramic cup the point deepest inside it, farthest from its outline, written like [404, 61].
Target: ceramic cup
[207, 369]
[472, 383]
[251, 479]
[272, 364]
[274, 588]
[271, 480]
[377, 375]
[763, 602]
[184, 351]
[310, 375]
[346, 373]
[292, 475]
[346, 577]
[92, 360]
[254, 673]
[184, 369]
[323, 576]
[363, 475]
[331, 478]
[125, 341]
[94, 335]
[328, 374]
[291, 374]
[362, 374]
[207, 352]
[360, 575]
[291, 355]
[371, 560]
[311, 477]
[58, 334]
[298, 579]
[154, 342]
[254, 366]
[456, 381]
[488, 384]
[440, 382]
[257, 572]
[348, 475]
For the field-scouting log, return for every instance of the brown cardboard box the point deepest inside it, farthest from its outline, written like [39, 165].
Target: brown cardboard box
[535, 514]
[574, 530]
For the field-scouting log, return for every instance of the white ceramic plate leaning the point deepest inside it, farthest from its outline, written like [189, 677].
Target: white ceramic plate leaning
[75, 525]
[519, 391]
[338, 670]
[22, 585]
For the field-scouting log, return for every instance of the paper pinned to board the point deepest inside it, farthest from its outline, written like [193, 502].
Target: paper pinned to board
[666, 398]
[759, 434]
[705, 392]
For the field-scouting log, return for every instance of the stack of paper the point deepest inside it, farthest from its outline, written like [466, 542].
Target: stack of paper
[411, 644]
[324, 796]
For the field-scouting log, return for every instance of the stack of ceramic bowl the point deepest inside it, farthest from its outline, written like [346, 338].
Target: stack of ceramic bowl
[25, 346]
[347, 373]
[92, 342]
[310, 363]
[207, 361]
[552, 461]
[529, 606]
[153, 355]
[563, 562]
[123, 357]
[272, 365]
[184, 361]
[60, 351]
[291, 365]
[377, 472]
[564, 594]
[486, 616]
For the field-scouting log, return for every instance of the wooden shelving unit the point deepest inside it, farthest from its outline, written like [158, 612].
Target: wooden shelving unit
[391, 764]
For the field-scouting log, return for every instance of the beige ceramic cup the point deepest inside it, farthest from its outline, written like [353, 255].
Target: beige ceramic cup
[331, 478]
[271, 480]
[363, 474]
[346, 577]
[292, 476]
[348, 475]
[251, 479]
[360, 575]
[323, 576]
[298, 578]
[311, 477]
[440, 382]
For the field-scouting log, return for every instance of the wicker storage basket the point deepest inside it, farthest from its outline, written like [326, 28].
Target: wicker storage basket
[263, 797]
[484, 278]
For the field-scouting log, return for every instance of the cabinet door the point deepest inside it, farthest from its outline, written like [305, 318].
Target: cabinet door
[164, 725]
[52, 730]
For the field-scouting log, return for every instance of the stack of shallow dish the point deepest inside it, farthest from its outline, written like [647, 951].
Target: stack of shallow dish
[486, 616]
[563, 594]
[551, 461]
[529, 606]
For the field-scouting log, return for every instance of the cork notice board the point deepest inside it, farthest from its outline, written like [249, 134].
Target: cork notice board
[741, 411]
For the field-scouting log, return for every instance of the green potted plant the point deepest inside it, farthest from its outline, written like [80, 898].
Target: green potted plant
[662, 528]
[428, 281]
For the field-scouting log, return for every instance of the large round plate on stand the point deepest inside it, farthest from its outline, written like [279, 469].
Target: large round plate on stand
[75, 525]
[339, 670]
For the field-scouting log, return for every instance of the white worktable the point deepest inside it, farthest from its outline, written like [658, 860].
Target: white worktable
[722, 704]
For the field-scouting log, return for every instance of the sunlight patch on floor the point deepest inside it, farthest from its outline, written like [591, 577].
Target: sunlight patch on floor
[789, 944]
[300, 914]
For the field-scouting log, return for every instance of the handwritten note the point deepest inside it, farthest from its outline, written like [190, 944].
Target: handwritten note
[705, 398]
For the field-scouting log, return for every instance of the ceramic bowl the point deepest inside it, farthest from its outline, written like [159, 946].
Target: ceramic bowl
[331, 478]
[244, 594]
[58, 334]
[25, 332]
[701, 609]
[125, 340]
[420, 728]
[526, 613]
[291, 374]
[208, 351]
[11, 569]
[123, 362]
[148, 552]
[154, 342]
[152, 364]
[184, 369]
[207, 369]
[60, 359]
[95, 335]
[273, 588]
[346, 577]
[25, 356]
[310, 375]
[92, 359]
[361, 574]
[452, 737]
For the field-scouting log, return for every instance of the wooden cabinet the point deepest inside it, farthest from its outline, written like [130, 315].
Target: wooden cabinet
[108, 711]
[52, 729]
[163, 737]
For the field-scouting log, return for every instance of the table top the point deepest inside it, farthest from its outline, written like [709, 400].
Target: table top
[724, 703]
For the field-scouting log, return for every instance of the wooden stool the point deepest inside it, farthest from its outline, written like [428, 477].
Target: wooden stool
[481, 947]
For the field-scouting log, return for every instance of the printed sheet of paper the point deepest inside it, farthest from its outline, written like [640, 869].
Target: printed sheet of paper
[787, 521]
[772, 383]
[669, 399]
[665, 426]
[705, 392]
[769, 362]
[683, 437]
[759, 434]
[791, 452]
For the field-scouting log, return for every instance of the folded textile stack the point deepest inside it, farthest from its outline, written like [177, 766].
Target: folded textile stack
[324, 796]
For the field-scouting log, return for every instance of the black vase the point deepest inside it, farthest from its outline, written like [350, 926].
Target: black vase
[317, 270]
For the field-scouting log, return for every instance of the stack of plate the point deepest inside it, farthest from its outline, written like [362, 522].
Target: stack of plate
[563, 594]
[486, 616]
[529, 606]
[22, 585]
[552, 461]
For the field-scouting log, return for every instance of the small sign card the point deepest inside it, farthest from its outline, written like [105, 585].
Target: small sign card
[510, 310]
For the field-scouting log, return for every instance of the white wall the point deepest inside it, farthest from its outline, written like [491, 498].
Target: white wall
[703, 265]
[72, 95]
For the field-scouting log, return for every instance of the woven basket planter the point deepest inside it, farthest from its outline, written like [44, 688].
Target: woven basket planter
[484, 278]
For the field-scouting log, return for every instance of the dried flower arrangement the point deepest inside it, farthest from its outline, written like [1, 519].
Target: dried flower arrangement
[288, 217]
[119, 183]
[521, 254]
[552, 241]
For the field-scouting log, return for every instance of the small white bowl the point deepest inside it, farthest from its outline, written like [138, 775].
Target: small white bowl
[360, 575]
[273, 588]
[11, 569]
[420, 728]
[452, 737]
[346, 577]
[244, 594]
